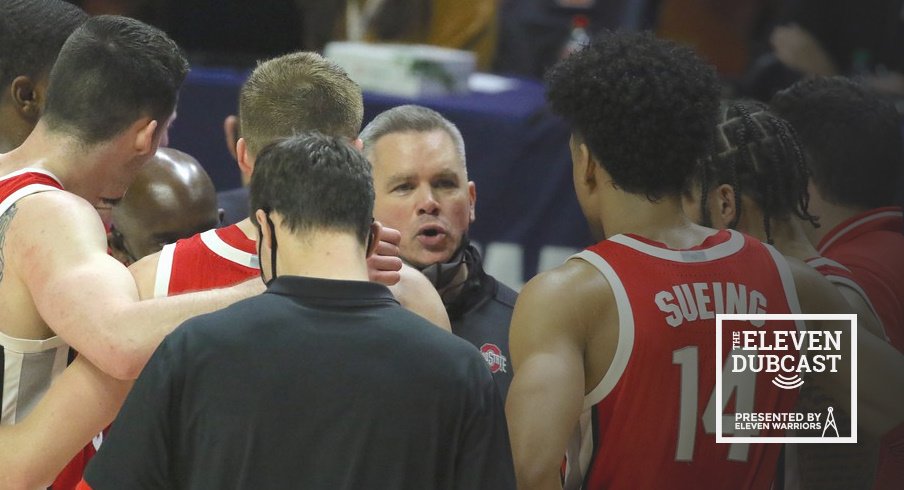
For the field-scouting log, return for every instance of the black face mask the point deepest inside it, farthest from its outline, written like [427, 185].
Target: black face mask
[443, 274]
[260, 244]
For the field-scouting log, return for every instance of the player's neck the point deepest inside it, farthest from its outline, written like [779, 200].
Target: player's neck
[321, 254]
[63, 156]
[830, 216]
[248, 228]
[662, 221]
[788, 237]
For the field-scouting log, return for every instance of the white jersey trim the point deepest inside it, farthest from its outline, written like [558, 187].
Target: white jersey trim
[625, 329]
[30, 170]
[30, 346]
[22, 192]
[164, 271]
[579, 452]
[866, 219]
[729, 247]
[784, 272]
[12, 373]
[817, 262]
[227, 251]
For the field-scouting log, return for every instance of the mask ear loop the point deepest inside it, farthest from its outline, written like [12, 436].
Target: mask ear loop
[272, 246]
[371, 236]
[260, 245]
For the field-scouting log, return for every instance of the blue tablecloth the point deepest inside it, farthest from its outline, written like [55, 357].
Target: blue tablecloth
[527, 215]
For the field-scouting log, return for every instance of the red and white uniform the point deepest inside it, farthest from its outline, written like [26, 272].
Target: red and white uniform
[840, 275]
[650, 423]
[214, 259]
[871, 245]
[30, 365]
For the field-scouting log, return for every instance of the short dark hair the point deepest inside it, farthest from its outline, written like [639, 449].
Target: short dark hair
[315, 182]
[644, 107]
[112, 71]
[757, 153]
[413, 118]
[852, 138]
[32, 33]
[298, 92]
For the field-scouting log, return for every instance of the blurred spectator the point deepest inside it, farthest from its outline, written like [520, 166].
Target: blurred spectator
[860, 38]
[219, 31]
[460, 24]
[533, 32]
[721, 32]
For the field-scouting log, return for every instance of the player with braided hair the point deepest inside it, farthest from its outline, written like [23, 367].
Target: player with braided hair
[755, 180]
[757, 155]
[607, 366]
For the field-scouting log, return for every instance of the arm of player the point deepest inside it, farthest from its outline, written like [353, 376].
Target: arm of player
[144, 273]
[87, 297]
[880, 368]
[79, 404]
[415, 292]
[546, 397]
[866, 316]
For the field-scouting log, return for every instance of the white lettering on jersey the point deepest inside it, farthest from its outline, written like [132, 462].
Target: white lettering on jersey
[700, 300]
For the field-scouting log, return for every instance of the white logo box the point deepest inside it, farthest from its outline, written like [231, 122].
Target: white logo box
[850, 319]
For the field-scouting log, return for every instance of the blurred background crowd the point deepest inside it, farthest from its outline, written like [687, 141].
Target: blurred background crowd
[758, 46]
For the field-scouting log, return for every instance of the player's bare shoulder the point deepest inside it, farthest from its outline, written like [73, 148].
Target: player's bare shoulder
[416, 293]
[573, 296]
[815, 293]
[54, 220]
[144, 271]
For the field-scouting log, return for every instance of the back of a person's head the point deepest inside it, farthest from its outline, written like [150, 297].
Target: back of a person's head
[111, 72]
[172, 197]
[31, 34]
[173, 179]
[410, 118]
[758, 155]
[298, 92]
[852, 138]
[645, 108]
[315, 182]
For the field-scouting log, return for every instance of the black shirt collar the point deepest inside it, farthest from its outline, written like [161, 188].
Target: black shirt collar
[330, 290]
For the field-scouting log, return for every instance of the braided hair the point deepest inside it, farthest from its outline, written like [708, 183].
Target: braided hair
[758, 154]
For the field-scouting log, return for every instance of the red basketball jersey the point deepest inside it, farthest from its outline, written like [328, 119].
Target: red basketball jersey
[650, 423]
[21, 183]
[13, 187]
[871, 245]
[213, 259]
[842, 276]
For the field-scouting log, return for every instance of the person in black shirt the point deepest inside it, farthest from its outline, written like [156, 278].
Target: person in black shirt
[324, 381]
[422, 190]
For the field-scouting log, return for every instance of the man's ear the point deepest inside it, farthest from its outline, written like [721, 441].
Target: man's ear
[728, 209]
[266, 239]
[472, 199]
[26, 98]
[145, 135]
[359, 144]
[589, 165]
[231, 134]
[373, 238]
[246, 164]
